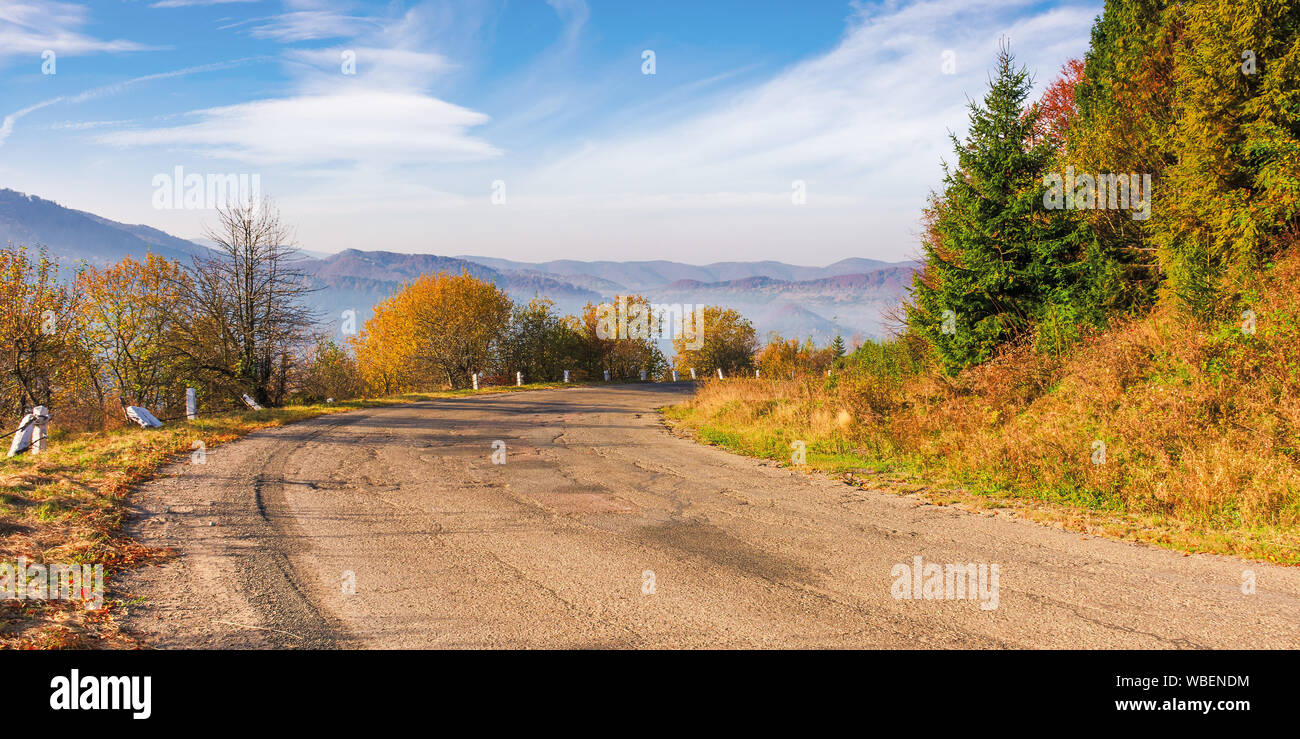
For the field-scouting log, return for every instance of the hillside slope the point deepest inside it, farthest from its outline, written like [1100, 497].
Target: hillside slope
[74, 235]
[1158, 429]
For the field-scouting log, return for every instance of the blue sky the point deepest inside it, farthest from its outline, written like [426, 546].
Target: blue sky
[547, 102]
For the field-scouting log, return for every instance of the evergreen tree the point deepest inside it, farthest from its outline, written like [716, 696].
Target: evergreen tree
[995, 258]
[837, 346]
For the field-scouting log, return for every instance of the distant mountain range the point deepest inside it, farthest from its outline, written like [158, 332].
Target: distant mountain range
[647, 275]
[74, 235]
[846, 298]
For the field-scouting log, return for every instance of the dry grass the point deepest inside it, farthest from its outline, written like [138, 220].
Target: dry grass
[68, 506]
[1199, 426]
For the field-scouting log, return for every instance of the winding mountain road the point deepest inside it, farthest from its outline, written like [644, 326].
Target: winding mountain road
[393, 528]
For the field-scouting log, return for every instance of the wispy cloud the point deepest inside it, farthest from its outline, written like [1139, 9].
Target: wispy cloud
[195, 3]
[310, 20]
[374, 67]
[863, 126]
[119, 87]
[362, 126]
[574, 15]
[378, 114]
[32, 27]
[10, 120]
[868, 116]
[106, 90]
[592, 152]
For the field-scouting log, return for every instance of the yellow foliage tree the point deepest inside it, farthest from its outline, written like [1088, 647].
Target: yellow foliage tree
[36, 347]
[125, 326]
[435, 331]
[729, 344]
[623, 347]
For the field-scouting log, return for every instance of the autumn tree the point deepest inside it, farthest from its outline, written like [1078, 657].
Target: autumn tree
[729, 344]
[435, 331]
[1120, 124]
[126, 321]
[383, 351]
[541, 343]
[1229, 199]
[622, 336]
[781, 357]
[1056, 109]
[240, 315]
[328, 371]
[37, 344]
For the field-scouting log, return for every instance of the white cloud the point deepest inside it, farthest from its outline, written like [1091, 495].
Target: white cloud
[32, 27]
[868, 117]
[381, 117]
[375, 127]
[697, 173]
[7, 127]
[375, 67]
[574, 15]
[195, 3]
[119, 87]
[11, 120]
[310, 25]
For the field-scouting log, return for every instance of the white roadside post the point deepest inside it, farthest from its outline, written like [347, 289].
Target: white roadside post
[41, 417]
[474, 375]
[756, 373]
[142, 416]
[606, 375]
[31, 432]
[191, 405]
[692, 373]
[519, 379]
[566, 375]
[23, 436]
[720, 373]
[642, 375]
[674, 375]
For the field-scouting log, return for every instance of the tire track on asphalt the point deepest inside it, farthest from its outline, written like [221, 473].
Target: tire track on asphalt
[269, 573]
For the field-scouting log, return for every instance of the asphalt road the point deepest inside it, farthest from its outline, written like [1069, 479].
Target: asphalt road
[394, 528]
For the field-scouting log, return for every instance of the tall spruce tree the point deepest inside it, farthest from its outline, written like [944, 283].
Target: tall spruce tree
[995, 258]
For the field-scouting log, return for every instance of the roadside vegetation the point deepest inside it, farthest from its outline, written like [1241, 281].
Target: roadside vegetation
[1157, 430]
[1125, 368]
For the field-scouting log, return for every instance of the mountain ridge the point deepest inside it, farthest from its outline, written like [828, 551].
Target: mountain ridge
[846, 297]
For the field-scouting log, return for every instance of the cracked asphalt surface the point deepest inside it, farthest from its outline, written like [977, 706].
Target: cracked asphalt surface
[596, 505]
